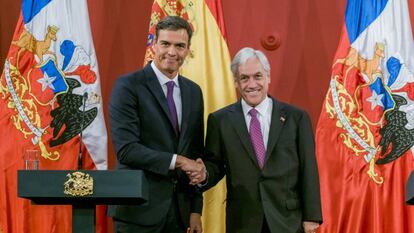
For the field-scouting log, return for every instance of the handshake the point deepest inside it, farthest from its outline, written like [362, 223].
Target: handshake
[195, 169]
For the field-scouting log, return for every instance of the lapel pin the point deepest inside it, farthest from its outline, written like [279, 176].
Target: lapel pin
[282, 119]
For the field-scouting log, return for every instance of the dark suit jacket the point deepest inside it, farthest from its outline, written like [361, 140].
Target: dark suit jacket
[144, 138]
[286, 191]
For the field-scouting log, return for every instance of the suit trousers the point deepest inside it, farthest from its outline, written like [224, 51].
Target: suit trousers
[265, 226]
[171, 224]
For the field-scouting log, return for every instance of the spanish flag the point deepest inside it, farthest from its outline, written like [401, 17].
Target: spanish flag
[209, 66]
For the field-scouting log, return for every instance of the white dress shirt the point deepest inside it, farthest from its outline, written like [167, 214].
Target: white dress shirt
[163, 79]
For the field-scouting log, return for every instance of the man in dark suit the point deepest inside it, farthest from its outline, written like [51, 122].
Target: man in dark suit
[266, 150]
[156, 119]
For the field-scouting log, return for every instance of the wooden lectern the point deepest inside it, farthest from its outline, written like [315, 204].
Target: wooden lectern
[73, 187]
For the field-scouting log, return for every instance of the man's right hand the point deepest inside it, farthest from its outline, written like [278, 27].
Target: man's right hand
[195, 170]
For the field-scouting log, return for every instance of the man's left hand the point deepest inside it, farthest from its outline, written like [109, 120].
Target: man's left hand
[195, 223]
[310, 227]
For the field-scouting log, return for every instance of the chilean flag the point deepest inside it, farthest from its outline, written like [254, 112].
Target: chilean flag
[365, 133]
[50, 66]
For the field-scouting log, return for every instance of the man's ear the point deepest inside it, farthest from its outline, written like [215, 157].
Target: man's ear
[189, 53]
[154, 42]
[236, 84]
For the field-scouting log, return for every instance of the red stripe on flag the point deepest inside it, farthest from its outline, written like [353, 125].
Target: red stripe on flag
[217, 11]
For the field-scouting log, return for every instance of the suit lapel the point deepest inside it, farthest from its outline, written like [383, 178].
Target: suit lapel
[186, 107]
[278, 119]
[156, 90]
[239, 123]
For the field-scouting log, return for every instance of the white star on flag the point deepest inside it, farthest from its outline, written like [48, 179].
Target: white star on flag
[375, 100]
[46, 81]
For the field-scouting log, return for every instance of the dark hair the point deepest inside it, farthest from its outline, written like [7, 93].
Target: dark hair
[174, 23]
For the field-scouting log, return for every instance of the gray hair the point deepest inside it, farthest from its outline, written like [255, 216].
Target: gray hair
[245, 54]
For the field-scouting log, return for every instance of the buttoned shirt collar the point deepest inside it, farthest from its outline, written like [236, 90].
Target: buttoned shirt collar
[162, 78]
[261, 108]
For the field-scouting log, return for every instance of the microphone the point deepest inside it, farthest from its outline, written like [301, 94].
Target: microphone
[84, 98]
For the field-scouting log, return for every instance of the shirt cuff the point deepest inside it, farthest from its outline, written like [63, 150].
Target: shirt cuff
[202, 184]
[172, 164]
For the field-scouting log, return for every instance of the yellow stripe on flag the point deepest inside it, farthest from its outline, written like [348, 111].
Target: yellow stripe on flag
[209, 66]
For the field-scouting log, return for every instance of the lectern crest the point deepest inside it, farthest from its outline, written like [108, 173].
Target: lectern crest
[78, 184]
